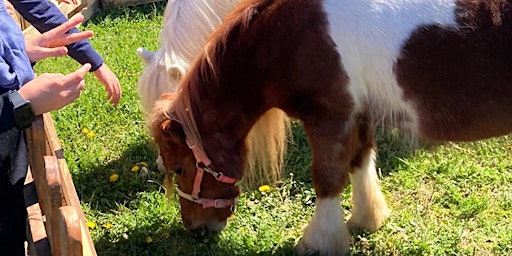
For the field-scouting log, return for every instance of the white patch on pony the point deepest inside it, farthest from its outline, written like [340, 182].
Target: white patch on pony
[369, 35]
[326, 233]
[369, 205]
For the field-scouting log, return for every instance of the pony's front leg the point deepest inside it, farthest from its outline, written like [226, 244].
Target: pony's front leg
[327, 233]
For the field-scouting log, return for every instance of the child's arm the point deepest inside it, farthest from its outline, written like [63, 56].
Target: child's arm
[44, 16]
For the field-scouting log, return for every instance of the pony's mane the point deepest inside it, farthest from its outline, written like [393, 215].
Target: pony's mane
[181, 17]
[236, 22]
[186, 26]
[266, 142]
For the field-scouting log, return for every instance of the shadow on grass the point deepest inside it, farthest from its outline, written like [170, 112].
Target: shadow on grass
[125, 196]
[95, 187]
[129, 12]
[175, 240]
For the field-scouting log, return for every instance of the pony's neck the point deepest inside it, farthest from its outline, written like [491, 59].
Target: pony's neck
[229, 85]
[223, 119]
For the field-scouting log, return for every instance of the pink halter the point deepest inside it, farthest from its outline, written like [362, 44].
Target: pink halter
[203, 165]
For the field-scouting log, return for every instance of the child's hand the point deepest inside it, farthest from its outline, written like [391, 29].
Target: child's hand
[53, 42]
[9, 7]
[49, 92]
[111, 82]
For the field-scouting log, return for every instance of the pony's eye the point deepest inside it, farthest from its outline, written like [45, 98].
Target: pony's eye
[178, 171]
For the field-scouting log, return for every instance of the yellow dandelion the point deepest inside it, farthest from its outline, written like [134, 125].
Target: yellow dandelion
[85, 130]
[135, 168]
[114, 177]
[145, 164]
[90, 135]
[264, 188]
[149, 239]
[108, 225]
[91, 224]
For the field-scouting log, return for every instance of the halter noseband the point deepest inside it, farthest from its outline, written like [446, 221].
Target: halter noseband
[203, 165]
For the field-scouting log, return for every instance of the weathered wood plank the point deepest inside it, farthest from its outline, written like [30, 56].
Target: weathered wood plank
[55, 199]
[38, 244]
[70, 233]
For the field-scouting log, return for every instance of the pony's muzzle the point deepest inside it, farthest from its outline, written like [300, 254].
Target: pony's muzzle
[210, 228]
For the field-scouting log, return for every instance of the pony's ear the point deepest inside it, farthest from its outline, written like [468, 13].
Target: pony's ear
[173, 131]
[145, 55]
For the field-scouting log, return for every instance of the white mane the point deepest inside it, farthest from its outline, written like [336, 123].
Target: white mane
[187, 24]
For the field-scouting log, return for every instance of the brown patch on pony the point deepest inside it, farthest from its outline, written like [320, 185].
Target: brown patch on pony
[459, 77]
[364, 143]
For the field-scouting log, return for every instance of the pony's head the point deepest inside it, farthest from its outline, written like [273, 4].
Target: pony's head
[206, 208]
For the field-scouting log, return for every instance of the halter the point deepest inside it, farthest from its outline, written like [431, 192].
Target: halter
[203, 165]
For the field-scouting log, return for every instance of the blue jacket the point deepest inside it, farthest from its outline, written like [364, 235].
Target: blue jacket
[44, 16]
[15, 68]
[15, 71]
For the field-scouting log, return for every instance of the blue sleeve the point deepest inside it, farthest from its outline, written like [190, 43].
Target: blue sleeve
[6, 117]
[44, 16]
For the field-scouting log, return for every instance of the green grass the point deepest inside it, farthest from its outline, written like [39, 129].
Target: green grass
[454, 199]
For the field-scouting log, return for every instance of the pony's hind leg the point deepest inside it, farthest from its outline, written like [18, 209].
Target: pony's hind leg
[369, 205]
[369, 209]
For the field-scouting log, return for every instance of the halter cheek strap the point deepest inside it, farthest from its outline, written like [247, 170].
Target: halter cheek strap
[209, 203]
[202, 165]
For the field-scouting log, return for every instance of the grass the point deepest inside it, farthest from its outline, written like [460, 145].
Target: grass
[454, 199]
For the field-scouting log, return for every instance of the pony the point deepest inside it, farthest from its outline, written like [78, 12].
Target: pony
[436, 69]
[186, 26]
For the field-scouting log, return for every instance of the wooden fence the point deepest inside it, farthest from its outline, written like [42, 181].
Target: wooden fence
[56, 223]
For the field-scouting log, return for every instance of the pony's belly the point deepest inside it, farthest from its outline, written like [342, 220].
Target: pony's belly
[465, 123]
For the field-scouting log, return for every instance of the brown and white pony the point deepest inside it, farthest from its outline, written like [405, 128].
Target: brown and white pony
[438, 69]
[186, 26]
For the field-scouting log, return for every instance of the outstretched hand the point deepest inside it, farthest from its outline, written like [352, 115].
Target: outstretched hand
[49, 92]
[53, 42]
[111, 83]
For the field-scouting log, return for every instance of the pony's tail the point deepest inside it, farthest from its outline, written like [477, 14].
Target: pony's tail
[266, 144]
